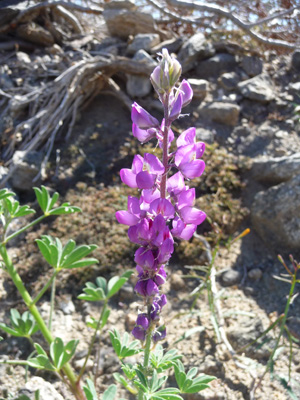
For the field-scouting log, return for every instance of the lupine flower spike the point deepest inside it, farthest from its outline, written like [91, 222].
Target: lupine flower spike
[165, 208]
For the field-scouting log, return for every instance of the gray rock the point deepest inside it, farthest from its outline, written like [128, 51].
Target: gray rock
[137, 85]
[260, 88]
[194, 49]
[120, 4]
[216, 65]
[252, 65]
[47, 391]
[223, 113]
[66, 305]
[204, 135]
[276, 215]
[172, 45]
[295, 61]
[242, 131]
[5, 82]
[143, 41]
[231, 277]
[122, 23]
[200, 88]
[275, 170]
[27, 167]
[255, 274]
[294, 89]
[229, 80]
[3, 172]
[23, 57]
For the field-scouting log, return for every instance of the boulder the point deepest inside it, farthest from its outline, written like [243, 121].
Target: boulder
[194, 49]
[200, 88]
[27, 167]
[172, 45]
[260, 88]
[295, 61]
[205, 135]
[139, 85]
[275, 215]
[122, 23]
[275, 170]
[223, 113]
[143, 41]
[216, 65]
[252, 65]
[229, 80]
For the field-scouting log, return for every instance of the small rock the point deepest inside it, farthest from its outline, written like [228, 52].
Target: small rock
[177, 282]
[294, 89]
[46, 390]
[200, 88]
[137, 85]
[172, 45]
[252, 65]
[78, 364]
[260, 88]
[242, 131]
[295, 61]
[210, 366]
[130, 320]
[66, 305]
[229, 80]
[122, 23]
[223, 113]
[204, 135]
[143, 41]
[5, 82]
[55, 49]
[27, 167]
[231, 277]
[23, 57]
[120, 4]
[194, 49]
[255, 274]
[216, 65]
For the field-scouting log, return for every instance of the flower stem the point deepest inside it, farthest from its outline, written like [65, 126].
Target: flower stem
[13, 235]
[66, 370]
[92, 342]
[52, 303]
[40, 294]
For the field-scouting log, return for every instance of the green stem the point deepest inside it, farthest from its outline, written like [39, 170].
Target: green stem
[67, 370]
[40, 294]
[52, 301]
[147, 352]
[13, 235]
[92, 342]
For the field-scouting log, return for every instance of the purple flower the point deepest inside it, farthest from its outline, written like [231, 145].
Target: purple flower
[159, 334]
[163, 207]
[186, 160]
[133, 215]
[139, 333]
[144, 257]
[176, 107]
[182, 230]
[143, 135]
[142, 119]
[187, 92]
[146, 288]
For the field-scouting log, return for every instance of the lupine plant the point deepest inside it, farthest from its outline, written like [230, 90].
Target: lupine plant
[53, 355]
[163, 211]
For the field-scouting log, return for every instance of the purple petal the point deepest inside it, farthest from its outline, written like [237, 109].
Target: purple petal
[160, 334]
[139, 333]
[187, 92]
[137, 163]
[176, 109]
[143, 135]
[142, 118]
[133, 205]
[144, 258]
[142, 321]
[187, 137]
[187, 153]
[154, 164]
[160, 277]
[191, 215]
[151, 288]
[186, 198]
[192, 169]
[163, 207]
[128, 177]
[145, 180]
[126, 218]
[200, 147]
[175, 184]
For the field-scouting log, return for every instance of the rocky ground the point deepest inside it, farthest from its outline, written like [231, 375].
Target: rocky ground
[245, 111]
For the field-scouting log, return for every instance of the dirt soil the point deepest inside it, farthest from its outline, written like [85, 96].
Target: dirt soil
[87, 176]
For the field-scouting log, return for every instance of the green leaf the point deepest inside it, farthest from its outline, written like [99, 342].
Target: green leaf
[61, 354]
[45, 250]
[64, 209]
[77, 254]
[110, 393]
[22, 326]
[104, 318]
[83, 263]
[90, 390]
[114, 285]
[56, 350]
[4, 193]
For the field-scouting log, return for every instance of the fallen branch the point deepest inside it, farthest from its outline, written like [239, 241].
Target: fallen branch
[223, 12]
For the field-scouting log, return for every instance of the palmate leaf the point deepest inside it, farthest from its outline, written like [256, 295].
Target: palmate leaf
[61, 354]
[166, 394]
[65, 257]
[4, 193]
[121, 346]
[161, 361]
[47, 203]
[14, 208]
[110, 393]
[187, 383]
[22, 326]
[90, 390]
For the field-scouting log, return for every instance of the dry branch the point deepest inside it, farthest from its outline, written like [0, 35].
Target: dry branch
[223, 12]
[56, 104]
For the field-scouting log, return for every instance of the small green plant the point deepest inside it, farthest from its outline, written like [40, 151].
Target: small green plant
[56, 357]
